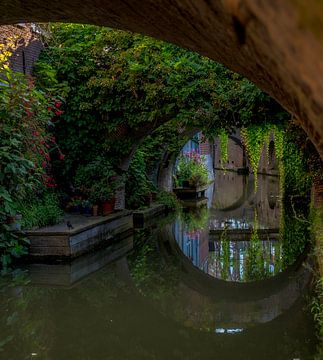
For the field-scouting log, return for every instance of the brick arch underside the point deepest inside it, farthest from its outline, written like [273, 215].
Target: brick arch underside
[276, 44]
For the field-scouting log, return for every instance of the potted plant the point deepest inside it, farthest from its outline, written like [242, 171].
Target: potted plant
[191, 170]
[103, 194]
[75, 205]
[87, 207]
[147, 199]
[99, 182]
[95, 210]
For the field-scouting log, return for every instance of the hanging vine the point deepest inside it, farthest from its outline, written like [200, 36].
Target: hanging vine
[279, 153]
[224, 139]
[255, 261]
[254, 138]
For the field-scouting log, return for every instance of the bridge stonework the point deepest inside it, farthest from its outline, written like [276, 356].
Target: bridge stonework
[277, 44]
[317, 195]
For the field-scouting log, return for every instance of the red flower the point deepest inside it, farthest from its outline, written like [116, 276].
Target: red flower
[35, 133]
[47, 157]
[58, 104]
[49, 108]
[29, 113]
[58, 112]
[61, 156]
[44, 164]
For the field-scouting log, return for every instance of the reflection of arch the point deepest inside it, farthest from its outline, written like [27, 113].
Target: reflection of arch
[241, 35]
[226, 291]
[110, 303]
[166, 166]
[248, 191]
[271, 153]
[272, 194]
[118, 312]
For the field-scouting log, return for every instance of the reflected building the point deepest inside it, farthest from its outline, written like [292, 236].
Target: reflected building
[240, 241]
[235, 201]
[194, 243]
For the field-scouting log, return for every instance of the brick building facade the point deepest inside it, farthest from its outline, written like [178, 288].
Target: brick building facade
[24, 41]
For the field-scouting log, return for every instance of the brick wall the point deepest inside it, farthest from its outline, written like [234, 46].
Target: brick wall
[27, 46]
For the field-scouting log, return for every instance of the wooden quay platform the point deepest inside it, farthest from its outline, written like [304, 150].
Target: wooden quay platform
[85, 234]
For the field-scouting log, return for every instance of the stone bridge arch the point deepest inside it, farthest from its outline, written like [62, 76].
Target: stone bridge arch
[276, 44]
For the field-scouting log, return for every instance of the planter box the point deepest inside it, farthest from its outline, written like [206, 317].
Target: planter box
[142, 216]
[190, 192]
[86, 234]
[70, 273]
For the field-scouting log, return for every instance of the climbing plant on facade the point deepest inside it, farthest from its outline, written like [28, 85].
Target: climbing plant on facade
[254, 138]
[25, 147]
[121, 86]
[224, 139]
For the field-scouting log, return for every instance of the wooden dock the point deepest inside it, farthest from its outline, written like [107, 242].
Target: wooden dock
[243, 234]
[69, 273]
[142, 216]
[190, 192]
[86, 233]
[194, 203]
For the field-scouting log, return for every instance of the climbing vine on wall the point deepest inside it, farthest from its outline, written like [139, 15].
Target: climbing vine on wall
[224, 139]
[254, 138]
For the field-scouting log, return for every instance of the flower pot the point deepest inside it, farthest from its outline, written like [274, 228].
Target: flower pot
[87, 210]
[108, 207]
[95, 210]
[153, 195]
[76, 209]
[10, 220]
[14, 222]
[148, 199]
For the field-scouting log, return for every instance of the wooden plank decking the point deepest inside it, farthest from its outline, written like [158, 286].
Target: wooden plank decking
[87, 233]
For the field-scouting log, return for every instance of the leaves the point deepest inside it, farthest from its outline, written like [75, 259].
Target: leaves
[119, 78]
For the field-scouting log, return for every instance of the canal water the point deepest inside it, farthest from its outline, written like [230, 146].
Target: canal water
[227, 277]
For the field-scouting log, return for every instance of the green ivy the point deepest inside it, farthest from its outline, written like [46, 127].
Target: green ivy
[224, 139]
[120, 86]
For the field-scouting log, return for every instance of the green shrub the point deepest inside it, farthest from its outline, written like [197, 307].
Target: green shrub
[194, 220]
[138, 185]
[97, 180]
[192, 168]
[42, 212]
[168, 199]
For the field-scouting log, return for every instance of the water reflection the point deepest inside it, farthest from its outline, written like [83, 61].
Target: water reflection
[153, 304]
[240, 235]
[149, 301]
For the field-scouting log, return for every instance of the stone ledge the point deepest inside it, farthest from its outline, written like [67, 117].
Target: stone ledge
[89, 233]
[79, 222]
[140, 216]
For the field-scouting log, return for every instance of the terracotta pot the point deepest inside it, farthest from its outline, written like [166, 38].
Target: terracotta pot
[148, 199]
[10, 220]
[95, 210]
[153, 195]
[108, 207]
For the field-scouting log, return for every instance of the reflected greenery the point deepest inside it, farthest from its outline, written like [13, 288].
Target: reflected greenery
[276, 235]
